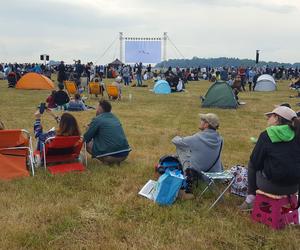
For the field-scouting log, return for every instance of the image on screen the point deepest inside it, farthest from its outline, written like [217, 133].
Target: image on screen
[142, 51]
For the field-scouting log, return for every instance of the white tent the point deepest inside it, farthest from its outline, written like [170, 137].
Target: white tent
[265, 83]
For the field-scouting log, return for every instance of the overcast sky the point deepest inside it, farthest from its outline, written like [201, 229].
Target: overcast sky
[77, 29]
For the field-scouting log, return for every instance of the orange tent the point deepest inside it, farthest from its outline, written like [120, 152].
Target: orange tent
[34, 81]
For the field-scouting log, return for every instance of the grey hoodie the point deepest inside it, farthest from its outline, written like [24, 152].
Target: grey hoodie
[204, 149]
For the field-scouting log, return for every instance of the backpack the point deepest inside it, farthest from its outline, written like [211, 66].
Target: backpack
[170, 162]
[240, 184]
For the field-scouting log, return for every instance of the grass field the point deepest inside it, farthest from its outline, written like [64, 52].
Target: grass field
[100, 208]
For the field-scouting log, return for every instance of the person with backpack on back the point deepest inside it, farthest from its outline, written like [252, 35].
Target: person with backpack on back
[274, 165]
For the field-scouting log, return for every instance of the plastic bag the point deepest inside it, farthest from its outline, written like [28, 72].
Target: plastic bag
[168, 186]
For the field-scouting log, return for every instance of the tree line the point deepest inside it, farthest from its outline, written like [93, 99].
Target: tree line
[196, 62]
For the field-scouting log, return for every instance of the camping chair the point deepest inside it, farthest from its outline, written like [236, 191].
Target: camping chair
[15, 153]
[112, 91]
[71, 87]
[63, 153]
[225, 177]
[94, 88]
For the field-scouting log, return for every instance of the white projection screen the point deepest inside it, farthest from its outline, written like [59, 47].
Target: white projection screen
[145, 51]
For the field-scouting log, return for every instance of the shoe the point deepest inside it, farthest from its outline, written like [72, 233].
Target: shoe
[246, 207]
[182, 195]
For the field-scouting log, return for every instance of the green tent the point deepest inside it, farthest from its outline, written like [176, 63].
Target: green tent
[220, 95]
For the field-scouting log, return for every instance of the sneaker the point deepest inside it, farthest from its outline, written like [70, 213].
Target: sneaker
[182, 195]
[245, 207]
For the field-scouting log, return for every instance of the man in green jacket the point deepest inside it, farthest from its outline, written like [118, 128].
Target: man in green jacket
[105, 136]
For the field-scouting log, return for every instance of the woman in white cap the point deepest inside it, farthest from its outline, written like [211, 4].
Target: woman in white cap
[274, 165]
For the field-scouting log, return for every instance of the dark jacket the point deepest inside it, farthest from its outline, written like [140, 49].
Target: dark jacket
[279, 159]
[61, 98]
[107, 134]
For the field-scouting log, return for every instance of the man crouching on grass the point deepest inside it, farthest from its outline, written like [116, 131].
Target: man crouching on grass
[105, 136]
[200, 152]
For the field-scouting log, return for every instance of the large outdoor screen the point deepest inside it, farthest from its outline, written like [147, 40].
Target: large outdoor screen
[143, 51]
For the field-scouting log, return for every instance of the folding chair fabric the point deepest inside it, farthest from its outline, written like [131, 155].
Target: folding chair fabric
[71, 87]
[218, 176]
[95, 88]
[15, 151]
[64, 150]
[112, 91]
[66, 167]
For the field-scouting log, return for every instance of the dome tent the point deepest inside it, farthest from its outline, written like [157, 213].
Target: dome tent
[265, 83]
[162, 87]
[34, 81]
[220, 95]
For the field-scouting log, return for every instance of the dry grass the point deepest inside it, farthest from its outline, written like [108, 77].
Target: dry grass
[100, 209]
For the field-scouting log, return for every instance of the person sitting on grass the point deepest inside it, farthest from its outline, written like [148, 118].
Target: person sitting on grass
[67, 126]
[76, 104]
[50, 100]
[200, 152]
[274, 163]
[105, 136]
[61, 98]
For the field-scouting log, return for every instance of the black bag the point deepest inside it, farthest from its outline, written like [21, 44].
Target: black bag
[170, 162]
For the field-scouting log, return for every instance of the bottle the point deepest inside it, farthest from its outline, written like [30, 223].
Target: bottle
[130, 97]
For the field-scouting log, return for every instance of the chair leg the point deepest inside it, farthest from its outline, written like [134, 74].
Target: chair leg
[221, 195]
[207, 187]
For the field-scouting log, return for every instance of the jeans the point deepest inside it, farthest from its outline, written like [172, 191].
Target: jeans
[184, 155]
[139, 80]
[126, 80]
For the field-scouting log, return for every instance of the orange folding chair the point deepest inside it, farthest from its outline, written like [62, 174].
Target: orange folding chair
[15, 154]
[63, 153]
[94, 88]
[71, 87]
[112, 91]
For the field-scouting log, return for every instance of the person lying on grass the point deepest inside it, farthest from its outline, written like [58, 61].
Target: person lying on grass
[76, 104]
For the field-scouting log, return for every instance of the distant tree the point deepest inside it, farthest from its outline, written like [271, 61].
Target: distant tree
[196, 62]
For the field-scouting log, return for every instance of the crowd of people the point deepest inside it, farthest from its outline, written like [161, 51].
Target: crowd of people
[274, 162]
[139, 72]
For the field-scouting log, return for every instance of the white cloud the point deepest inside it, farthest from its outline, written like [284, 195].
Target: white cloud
[84, 29]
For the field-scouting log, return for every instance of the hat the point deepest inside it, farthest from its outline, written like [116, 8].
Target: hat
[284, 112]
[211, 119]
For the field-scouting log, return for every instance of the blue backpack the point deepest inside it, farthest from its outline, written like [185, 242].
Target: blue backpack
[170, 162]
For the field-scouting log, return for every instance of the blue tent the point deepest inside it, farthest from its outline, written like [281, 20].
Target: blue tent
[162, 87]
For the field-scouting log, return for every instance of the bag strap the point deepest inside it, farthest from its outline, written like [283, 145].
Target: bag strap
[216, 159]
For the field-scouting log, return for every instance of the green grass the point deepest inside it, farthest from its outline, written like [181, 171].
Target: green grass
[100, 208]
